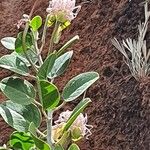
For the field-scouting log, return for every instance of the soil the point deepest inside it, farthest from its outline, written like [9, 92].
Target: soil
[120, 112]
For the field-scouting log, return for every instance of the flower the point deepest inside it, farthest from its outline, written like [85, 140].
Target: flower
[63, 10]
[80, 123]
[22, 21]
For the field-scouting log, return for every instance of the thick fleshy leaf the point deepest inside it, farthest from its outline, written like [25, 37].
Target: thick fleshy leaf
[18, 90]
[18, 42]
[67, 45]
[8, 42]
[36, 23]
[50, 94]
[76, 112]
[78, 85]
[74, 147]
[47, 66]
[13, 63]
[19, 116]
[40, 144]
[60, 65]
[21, 140]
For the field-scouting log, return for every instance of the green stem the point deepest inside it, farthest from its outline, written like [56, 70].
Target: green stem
[24, 46]
[35, 44]
[60, 106]
[44, 33]
[40, 133]
[49, 128]
[52, 38]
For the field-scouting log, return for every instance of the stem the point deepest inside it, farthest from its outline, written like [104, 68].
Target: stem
[49, 128]
[36, 47]
[40, 133]
[44, 34]
[60, 106]
[24, 46]
[52, 38]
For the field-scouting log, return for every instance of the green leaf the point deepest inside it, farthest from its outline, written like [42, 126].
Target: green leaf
[50, 94]
[78, 85]
[18, 42]
[8, 42]
[19, 116]
[60, 65]
[21, 140]
[13, 63]
[40, 144]
[76, 112]
[36, 23]
[67, 45]
[76, 134]
[47, 66]
[58, 147]
[74, 147]
[18, 90]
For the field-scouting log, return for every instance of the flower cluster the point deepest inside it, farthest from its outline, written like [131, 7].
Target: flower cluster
[80, 123]
[63, 10]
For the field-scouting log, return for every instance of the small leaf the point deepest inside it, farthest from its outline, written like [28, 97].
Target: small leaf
[18, 90]
[18, 116]
[36, 23]
[21, 140]
[8, 42]
[60, 65]
[13, 63]
[50, 94]
[76, 134]
[58, 147]
[74, 147]
[18, 42]
[76, 112]
[40, 144]
[67, 45]
[47, 66]
[78, 85]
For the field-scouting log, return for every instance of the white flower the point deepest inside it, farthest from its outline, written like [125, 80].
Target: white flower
[80, 122]
[65, 9]
[23, 21]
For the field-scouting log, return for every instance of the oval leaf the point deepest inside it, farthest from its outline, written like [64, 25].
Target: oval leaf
[18, 90]
[36, 23]
[21, 140]
[60, 65]
[74, 147]
[76, 112]
[18, 116]
[14, 63]
[47, 66]
[40, 144]
[58, 147]
[78, 85]
[8, 42]
[18, 42]
[50, 95]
